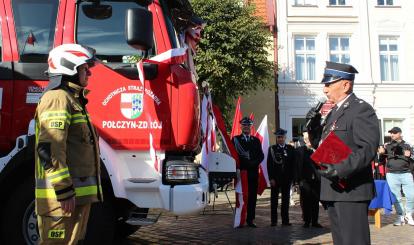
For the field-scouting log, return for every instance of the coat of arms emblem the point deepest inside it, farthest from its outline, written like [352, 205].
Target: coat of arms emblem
[132, 105]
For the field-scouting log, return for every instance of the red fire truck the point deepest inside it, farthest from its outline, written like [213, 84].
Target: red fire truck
[164, 109]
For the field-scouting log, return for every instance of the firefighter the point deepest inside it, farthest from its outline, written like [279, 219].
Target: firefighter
[250, 153]
[281, 171]
[67, 152]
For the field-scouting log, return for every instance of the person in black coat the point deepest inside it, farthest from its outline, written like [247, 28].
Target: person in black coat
[309, 183]
[281, 171]
[354, 121]
[250, 153]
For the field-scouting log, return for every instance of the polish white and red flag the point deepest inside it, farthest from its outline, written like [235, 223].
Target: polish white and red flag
[153, 154]
[241, 184]
[241, 190]
[172, 57]
[263, 135]
[208, 125]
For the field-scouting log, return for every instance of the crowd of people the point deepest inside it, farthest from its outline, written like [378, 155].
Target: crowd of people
[346, 188]
[287, 167]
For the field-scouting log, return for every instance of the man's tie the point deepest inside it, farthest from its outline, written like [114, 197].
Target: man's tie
[333, 111]
[335, 108]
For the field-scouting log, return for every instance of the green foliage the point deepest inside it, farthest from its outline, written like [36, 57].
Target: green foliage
[233, 53]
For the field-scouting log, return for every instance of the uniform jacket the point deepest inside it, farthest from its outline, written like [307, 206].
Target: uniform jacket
[281, 163]
[356, 124]
[67, 151]
[306, 168]
[396, 161]
[250, 153]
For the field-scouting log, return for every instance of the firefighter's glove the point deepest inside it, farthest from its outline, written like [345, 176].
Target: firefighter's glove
[328, 171]
[313, 118]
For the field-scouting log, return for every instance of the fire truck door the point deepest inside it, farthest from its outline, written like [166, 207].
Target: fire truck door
[6, 85]
[33, 32]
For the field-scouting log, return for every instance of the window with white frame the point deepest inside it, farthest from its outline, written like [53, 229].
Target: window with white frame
[339, 49]
[389, 124]
[337, 2]
[388, 50]
[304, 2]
[305, 57]
[385, 2]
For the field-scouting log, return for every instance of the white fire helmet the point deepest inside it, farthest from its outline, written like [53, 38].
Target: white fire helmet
[66, 58]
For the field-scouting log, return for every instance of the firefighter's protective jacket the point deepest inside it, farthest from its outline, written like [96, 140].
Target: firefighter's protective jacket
[67, 151]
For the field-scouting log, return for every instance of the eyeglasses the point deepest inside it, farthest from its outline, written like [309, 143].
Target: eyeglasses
[280, 136]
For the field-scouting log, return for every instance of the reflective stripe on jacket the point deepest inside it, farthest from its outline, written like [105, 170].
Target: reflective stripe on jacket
[68, 163]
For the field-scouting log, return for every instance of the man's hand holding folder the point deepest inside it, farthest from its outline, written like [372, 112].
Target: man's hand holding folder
[332, 151]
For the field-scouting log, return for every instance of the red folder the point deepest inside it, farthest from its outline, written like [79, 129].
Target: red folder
[332, 151]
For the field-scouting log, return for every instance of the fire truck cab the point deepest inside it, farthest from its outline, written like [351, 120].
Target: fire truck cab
[162, 112]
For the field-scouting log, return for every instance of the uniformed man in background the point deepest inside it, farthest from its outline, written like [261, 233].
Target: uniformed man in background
[348, 186]
[309, 183]
[67, 151]
[281, 171]
[250, 153]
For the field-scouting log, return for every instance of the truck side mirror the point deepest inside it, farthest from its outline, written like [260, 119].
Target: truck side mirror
[139, 28]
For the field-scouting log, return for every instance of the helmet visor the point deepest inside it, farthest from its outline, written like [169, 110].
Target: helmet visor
[92, 60]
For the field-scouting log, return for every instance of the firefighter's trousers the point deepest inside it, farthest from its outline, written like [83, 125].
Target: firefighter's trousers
[64, 230]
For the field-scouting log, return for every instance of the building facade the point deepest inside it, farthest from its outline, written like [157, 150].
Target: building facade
[375, 36]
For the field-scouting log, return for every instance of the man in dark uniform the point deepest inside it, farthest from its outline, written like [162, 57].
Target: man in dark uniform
[251, 155]
[281, 170]
[354, 121]
[309, 183]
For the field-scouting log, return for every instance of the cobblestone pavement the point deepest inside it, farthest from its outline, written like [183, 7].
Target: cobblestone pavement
[216, 227]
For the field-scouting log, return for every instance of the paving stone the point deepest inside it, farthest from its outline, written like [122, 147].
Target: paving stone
[216, 227]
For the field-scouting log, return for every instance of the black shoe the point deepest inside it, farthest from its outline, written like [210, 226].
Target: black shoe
[306, 225]
[317, 225]
[253, 225]
[286, 224]
[273, 224]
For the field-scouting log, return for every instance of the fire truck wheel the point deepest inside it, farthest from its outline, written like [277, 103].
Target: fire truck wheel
[19, 222]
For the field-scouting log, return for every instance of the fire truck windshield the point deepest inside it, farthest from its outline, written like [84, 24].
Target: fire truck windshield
[35, 28]
[106, 35]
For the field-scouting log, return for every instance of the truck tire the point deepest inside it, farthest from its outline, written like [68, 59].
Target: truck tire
[19, 222]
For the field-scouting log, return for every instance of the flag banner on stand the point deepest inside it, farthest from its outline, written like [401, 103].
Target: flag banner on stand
[241, 191]
[263, 135]
[208, 125]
